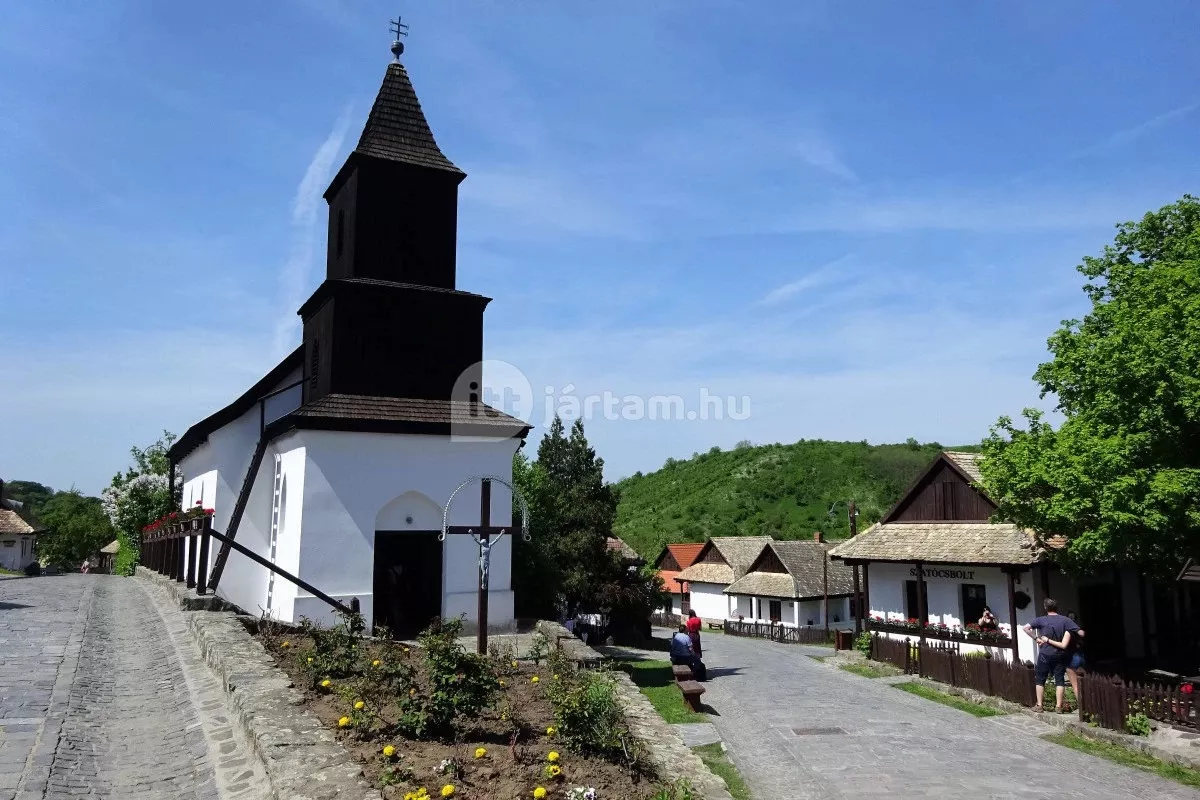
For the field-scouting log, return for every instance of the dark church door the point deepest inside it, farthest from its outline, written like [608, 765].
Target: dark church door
[408, 581]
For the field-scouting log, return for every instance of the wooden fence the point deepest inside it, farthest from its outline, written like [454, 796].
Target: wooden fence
[900, 653]
[664, 620]
[778, 633]
[1109, 701]
[991, 676]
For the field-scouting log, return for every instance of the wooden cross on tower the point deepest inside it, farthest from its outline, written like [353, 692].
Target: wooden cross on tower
[482, 534]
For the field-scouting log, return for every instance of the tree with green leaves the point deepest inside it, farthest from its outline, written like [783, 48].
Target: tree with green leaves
[139, 496]
[1120, 477]
[567, 561]
[75, 527]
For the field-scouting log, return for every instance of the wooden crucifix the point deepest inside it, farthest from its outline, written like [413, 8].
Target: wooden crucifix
[482, 534]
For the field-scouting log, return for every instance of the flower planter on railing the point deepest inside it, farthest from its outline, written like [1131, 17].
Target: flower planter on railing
[940, 631]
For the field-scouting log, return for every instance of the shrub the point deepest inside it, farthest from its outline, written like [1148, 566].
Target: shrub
[862, 643]
[462, 685]
[1138, 724]
[679, 790]
[335, 650]
[539, 648]
[589, 717]
[33, 570]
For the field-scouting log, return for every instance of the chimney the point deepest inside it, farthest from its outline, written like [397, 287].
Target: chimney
[818, 537]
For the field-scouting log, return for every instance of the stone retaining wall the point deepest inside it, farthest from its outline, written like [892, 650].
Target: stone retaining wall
[667, 752]
[301, 757]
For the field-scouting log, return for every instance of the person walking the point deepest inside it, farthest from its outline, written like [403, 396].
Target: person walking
[694, 624]
[1053, 636]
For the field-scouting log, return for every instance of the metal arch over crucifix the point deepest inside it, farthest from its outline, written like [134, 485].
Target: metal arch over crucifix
[482, 534]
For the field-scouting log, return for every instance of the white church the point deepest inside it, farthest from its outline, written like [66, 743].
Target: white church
[342, 457]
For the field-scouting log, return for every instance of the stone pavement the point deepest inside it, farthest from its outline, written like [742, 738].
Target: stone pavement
[800, 729]
[103, 695]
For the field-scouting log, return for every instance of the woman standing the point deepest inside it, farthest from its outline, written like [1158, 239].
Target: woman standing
[693, 628]
[1076, 662]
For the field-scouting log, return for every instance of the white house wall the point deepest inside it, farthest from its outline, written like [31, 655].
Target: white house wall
[17, 551]
[350, 478]
[292, 461]
[709, 600]
[945, 598]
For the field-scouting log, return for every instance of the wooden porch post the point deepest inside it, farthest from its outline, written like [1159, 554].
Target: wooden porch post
[923, 619]
[1012, 616]
[825, 589]
[866, 595]
[858, 612]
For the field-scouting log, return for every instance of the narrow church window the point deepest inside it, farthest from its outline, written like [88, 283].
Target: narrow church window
[341, 230]
[313, 361]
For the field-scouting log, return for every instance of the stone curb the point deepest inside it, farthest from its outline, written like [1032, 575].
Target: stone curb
[667, 752]
[302, 759]
[1065, 722]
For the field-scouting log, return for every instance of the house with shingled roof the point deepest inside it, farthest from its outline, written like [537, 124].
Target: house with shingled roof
[337, 464]
[720, 562]
[937, 558]
[670, 562]
[18, 539]
[795, 583]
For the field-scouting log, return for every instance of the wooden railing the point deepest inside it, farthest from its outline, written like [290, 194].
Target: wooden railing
[900, 653]
[164, 551]
[778, 633]
[1108, 701]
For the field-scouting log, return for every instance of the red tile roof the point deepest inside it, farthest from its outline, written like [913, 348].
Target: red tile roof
[685, 555]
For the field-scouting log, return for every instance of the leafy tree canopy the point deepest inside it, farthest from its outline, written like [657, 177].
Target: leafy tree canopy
[572, 511]
[1120, 477]
[76, 527]
[138, 496]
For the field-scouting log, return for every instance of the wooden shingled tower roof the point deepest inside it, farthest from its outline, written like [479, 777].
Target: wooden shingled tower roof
[396, 128]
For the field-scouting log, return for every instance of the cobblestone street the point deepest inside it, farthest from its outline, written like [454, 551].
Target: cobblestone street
[800, 729]
[102, 694]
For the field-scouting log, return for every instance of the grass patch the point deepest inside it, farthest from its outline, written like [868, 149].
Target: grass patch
[818, 658]
[715, 759]
[866, 670]
[657, 682]
[921, 690]
[5, 571]
[1130, 758]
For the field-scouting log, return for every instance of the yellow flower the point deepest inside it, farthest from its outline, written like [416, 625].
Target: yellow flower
[447, 791]
[552, 756]
[504, 716]
[480, 752]
[554, 770]
[359, 705]
[285, 643]
[376, 663]
[406, 649]
[343, 722]
[388, 751]
[514, 663]
[412, 692]
[534, 679]
[551, 730]
[325, 684]
[501, 683]
[539, 793]
[555, 677]
[310, 659]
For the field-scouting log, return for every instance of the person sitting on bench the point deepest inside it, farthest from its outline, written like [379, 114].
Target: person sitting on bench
[681, 653]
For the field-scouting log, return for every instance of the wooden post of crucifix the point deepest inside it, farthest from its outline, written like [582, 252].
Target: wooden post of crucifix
[482, 534]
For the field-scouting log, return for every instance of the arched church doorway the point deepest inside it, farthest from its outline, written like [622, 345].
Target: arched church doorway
[408, 565]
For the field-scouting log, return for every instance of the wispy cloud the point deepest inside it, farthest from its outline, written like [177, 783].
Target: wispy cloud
[295, 277]
[1127, 136]
[815, 151]
[830, 273]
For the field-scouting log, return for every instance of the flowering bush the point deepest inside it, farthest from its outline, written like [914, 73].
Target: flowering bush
[137, 497]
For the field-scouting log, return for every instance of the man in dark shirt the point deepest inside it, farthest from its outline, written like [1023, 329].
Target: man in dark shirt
[1053, 635]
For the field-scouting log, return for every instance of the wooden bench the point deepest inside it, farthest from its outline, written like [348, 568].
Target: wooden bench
[682, 672]
[716, 626]
[691, 694]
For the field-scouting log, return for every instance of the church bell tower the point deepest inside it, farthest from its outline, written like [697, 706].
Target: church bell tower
[388, 320]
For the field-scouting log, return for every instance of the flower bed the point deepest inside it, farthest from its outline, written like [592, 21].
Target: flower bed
[972, 634]
[434, 721]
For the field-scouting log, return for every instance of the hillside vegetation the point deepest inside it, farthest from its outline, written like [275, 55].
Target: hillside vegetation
[780, 490]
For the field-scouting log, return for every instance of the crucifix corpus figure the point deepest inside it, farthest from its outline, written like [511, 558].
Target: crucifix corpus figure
[482, 534]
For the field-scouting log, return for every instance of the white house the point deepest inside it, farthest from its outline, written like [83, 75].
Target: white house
[935, 560]
[791, 582]
[673, 559]
[337, 464]
[721, 561]
[18, 541]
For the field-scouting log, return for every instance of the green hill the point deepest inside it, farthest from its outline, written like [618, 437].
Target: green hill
[781, 490]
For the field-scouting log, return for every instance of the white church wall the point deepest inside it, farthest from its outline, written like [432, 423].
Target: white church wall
[350, 478]
[214, 472]
[292, 460]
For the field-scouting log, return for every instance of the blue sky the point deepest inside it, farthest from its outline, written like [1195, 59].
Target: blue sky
[863, 216]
